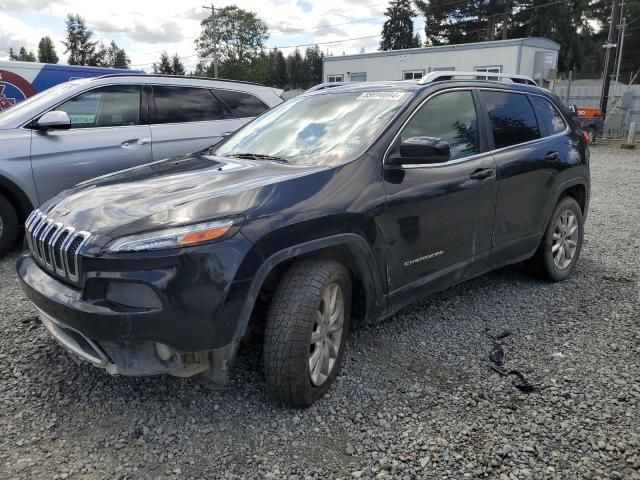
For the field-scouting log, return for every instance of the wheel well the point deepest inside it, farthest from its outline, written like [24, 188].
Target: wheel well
[578, 193]
[21, 208]
[340, 254]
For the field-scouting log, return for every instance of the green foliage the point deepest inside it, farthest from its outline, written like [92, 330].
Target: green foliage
[240, 38]
[397, 31]
[47, 51]
[569, 23]
[22, 55]
[116, 57]
[81, 49]
[277, 73]
[313, 65]
[298, 77]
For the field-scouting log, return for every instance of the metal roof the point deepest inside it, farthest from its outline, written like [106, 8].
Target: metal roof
[530, 42]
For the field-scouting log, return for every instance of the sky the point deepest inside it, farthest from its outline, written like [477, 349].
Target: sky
[144, 28]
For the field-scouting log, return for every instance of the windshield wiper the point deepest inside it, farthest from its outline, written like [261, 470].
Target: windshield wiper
[257, 156]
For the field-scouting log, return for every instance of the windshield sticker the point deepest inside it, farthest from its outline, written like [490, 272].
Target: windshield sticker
[395, 96]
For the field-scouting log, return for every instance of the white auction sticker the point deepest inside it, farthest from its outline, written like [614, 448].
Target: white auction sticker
[382, 96]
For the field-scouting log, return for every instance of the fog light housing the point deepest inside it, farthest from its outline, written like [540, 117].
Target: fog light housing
[133, 295]
[164, 352]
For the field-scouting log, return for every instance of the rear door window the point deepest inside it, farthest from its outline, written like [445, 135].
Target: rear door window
[112, 106]
[242, 105]
[185, 104]
[512, 118]
[550, 119]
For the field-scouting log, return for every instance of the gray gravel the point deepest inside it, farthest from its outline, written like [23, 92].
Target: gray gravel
[416, 398]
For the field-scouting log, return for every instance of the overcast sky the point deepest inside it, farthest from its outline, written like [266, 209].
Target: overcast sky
[145, 27]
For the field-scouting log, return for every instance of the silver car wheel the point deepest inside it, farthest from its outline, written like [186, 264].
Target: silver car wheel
[564, 243]
[327, 334]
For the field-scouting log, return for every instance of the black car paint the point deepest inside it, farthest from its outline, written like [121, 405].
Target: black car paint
[382, 215]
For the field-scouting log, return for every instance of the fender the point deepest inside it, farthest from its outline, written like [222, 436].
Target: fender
[17, 197]
[561, 188]
[362, 253]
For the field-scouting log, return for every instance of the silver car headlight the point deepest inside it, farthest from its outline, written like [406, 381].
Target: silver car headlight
[172, 237]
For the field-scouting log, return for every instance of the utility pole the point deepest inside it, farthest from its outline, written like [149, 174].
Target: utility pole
[622, 28]
[214, 30]
[607, 70]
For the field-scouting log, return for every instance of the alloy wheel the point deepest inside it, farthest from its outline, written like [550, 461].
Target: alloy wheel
[564, 243]
[327, 334]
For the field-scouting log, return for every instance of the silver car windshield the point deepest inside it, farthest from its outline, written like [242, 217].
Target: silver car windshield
[324, 128]
[35, 103]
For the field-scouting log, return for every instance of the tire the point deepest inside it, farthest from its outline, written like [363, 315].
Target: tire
[551, 261]
[297, 311]
[8, 226]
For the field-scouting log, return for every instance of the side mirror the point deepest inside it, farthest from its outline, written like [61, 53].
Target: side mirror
[422, 150]
[54, 120]
[573, 111]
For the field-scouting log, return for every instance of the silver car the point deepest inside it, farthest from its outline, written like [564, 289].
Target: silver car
[90, 127]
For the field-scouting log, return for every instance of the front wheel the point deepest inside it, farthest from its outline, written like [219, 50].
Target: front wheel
[561, 244]
[306, 331]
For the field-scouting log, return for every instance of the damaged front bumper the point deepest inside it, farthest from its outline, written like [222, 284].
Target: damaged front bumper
[126, 358]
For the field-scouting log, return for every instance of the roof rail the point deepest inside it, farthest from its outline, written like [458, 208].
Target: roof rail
[449, 74]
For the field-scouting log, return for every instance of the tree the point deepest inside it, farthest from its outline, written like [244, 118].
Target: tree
[295, 70]
[277, 73]
[116, 57]
[81, 50]
[164, 66]
[397, 31]
[22, 55]
[177, 67]
[241, 36]
[47, 51]
[313, 65]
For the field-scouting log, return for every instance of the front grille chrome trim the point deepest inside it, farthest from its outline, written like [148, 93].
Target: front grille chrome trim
[43, 236]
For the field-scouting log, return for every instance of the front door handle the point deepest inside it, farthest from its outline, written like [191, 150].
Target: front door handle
[482, 173]
[135, 142]
[552, 156]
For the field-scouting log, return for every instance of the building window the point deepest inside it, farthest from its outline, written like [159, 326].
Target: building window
[488, 69]
[359, 77]
[335, 78]
[443, 69]
[412, 74]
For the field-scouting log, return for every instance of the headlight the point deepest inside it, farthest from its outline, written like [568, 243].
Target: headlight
[171, 237]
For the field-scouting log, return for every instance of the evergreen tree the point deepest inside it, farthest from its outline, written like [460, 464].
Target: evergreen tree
[22, 56]
[313, 65]
[164, 66]
[296, 70]
[277, 75]
[177, 68]
[47, 51]
[79, 46]
[116, 57]
[397, 31]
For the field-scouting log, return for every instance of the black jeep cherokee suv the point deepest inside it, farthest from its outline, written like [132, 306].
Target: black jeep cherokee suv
[346, 203]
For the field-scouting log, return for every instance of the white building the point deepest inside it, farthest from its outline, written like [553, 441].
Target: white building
[534, 57]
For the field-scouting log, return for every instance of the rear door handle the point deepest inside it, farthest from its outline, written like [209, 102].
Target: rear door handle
[482, 173]
[552, 156]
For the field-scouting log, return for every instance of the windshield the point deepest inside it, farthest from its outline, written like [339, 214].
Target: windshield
[35, 102]
[325, 128]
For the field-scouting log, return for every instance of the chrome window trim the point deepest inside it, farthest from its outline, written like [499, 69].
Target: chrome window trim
[410, 166]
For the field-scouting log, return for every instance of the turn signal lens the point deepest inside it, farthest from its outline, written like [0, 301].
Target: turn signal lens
[204, 235]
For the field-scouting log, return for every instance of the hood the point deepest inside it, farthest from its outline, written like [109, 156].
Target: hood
[170, 192]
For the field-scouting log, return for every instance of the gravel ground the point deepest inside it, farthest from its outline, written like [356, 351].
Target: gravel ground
[416, 398]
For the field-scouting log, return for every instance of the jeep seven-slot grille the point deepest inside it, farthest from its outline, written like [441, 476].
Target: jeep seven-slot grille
[55, 247]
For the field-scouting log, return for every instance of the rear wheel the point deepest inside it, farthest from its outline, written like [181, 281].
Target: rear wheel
[8, 226]
[561, 244]
[306, 331]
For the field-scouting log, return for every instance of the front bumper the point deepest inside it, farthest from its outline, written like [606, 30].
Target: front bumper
[194, 310]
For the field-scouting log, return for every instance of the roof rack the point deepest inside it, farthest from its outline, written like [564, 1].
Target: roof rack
[449, 74]
[186, 77]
